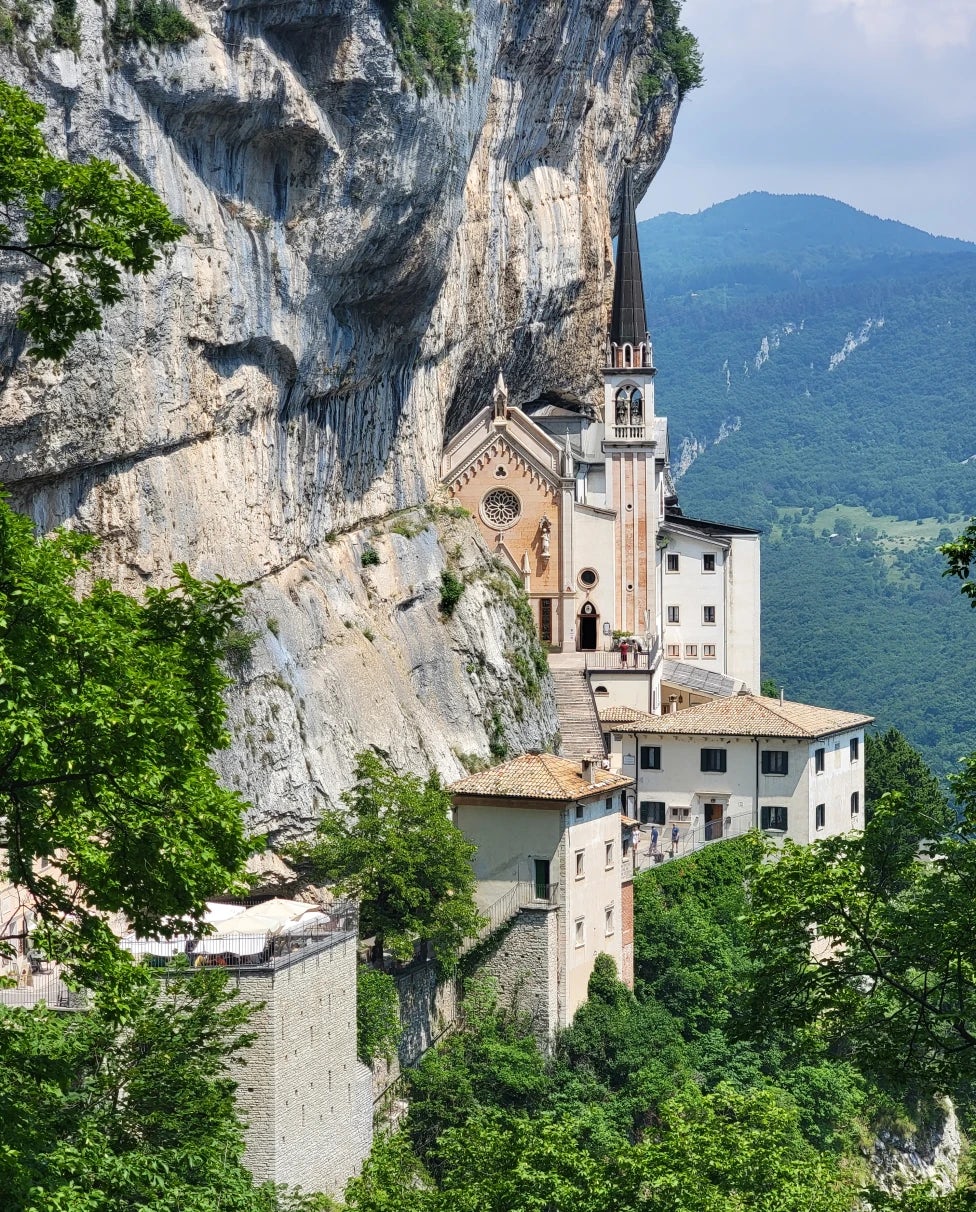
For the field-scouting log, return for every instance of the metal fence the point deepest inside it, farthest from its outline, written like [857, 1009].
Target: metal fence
[692, 837]
[47, 987]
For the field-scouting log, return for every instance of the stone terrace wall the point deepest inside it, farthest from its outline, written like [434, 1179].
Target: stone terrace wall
[306, 1096]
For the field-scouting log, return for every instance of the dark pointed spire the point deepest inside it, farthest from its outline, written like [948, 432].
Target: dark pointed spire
[628, 320]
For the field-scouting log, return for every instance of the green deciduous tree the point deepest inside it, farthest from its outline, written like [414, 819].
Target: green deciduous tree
[960, 556]
[872, 943]
[72, 229]
[109, 711]
[395, 849]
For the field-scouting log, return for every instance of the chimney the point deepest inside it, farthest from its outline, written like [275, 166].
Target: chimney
[588, 770]
[781, 696]
[673, 703]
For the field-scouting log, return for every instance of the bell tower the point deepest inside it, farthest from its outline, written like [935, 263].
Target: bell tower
[630, 446]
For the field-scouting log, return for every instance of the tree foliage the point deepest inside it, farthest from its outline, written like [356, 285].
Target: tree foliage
[378, 1027]
[889, 977]
[891, 764]
[71, 230]
[395, 849]
[960, 556]
[109, 711]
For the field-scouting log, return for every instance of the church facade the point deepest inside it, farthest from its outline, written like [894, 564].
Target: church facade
[584, 510]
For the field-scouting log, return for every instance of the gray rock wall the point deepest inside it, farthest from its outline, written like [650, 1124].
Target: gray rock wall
[360, 261]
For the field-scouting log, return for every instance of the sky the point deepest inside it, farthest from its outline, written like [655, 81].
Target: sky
[872, 102]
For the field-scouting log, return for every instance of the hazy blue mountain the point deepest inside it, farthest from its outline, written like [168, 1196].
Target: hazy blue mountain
[813, 356]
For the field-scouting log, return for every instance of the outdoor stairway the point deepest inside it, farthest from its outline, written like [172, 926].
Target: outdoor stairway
[579, 724]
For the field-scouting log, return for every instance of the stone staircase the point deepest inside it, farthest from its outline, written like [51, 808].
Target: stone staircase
[579, 724]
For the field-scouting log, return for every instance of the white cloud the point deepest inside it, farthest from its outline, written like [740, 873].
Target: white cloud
[935, 25]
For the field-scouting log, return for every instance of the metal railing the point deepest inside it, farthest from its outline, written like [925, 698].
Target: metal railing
[47, 987]
[610, 660]
[694, 837]
[523, 894]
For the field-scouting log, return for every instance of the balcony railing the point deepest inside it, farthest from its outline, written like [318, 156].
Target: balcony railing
[628, 433]
[692, 837]
[604, 659]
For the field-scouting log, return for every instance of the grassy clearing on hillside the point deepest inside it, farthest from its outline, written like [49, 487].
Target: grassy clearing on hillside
[890, 532]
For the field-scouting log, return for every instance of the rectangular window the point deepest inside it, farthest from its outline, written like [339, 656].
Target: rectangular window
[674, 650]
[708, 614]
[541, 879]
[580, 931]
[708, 562]
[672, 562]
[652, 812]
[674, 614]
[608, 803]
[774, 816]
[819, 758]
[821, 816]
[545, 620]
[608, 855]
[650, 757]
[579, 864]
[579, 812]
[855, 748]
[713, 761]
[855, 803]
[775, 761]
[608, 920]
[691, 650]
[708, 650]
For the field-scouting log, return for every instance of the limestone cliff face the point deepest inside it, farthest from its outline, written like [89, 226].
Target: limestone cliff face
[361, 260]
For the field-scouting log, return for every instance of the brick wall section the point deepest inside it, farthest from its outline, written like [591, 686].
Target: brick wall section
[627, 932]
[525, 969]
[306, 1097]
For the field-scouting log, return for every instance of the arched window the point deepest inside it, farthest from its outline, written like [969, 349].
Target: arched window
[622, 400]
[636, 407]
[628, 355]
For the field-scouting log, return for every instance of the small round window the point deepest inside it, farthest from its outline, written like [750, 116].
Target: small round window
[588, 578]
[501, 508]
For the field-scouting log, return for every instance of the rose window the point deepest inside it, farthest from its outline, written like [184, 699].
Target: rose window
[501, 508]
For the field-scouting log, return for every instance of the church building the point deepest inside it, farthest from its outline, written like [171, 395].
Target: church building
[583, 508]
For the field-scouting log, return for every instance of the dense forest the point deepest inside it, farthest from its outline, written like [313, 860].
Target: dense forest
[812, 356]
[696, 1092]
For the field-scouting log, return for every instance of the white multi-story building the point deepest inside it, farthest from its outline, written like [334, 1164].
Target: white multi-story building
[552, 845]
[733, 764]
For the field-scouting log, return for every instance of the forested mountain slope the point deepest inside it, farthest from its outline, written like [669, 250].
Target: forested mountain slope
[813, 356]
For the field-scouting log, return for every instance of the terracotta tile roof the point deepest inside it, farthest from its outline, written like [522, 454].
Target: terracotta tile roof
[741, 715]
[539, 776]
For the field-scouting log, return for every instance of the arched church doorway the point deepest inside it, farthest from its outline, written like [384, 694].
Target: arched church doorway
[587, 627]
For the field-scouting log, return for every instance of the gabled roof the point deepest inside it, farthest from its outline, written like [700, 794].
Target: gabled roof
[742, 715]
[539, 776]
[628, 319]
